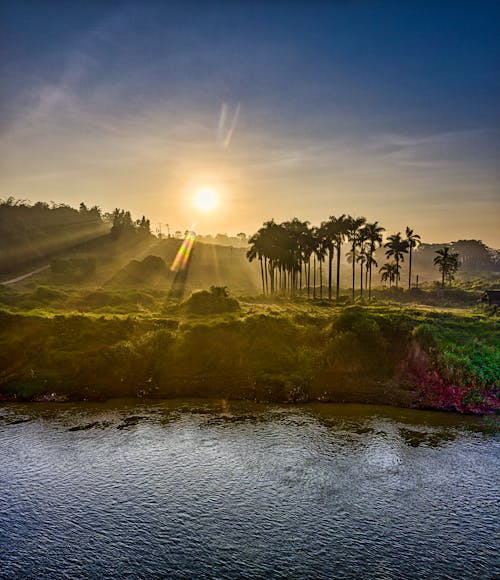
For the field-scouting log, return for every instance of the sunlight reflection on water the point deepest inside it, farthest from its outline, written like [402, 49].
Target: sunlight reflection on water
[218, 489]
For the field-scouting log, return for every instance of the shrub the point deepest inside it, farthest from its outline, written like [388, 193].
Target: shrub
[213, 301]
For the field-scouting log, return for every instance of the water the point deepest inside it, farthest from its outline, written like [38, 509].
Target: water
[226, 490]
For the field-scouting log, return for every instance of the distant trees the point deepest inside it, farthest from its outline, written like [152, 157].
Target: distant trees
[124, 226]
[287, 251]
[37, 231]
[447, 263]
[475, 256]
[33, 232]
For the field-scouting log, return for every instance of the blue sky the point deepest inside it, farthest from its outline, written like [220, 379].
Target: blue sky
[385, 109]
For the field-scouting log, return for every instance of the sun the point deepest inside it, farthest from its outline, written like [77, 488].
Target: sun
[205, 200]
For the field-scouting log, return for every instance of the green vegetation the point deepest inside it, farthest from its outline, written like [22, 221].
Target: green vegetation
[110, 318]
[214, 301]
[276, 351]
[33, 232]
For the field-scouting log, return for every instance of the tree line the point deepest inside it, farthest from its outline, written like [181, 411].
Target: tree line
[34, 231]
[291, 253]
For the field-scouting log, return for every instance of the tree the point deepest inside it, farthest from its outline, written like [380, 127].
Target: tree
[474, 255]
[242, 237]
[447, 264]
[336, 231]
[329, 247]
[353, 233]
[361, 258]
[389, 272]
[320, 250]
[257, 250]
[122, 223]
[373, 235]
[413, 241]
[396, 248]
[143, 226]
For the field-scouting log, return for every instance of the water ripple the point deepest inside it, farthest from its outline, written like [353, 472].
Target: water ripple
[218, 490]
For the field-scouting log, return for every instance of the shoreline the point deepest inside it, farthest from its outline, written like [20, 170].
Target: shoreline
[370, 355]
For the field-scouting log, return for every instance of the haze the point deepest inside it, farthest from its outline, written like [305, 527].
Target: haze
[383, 109]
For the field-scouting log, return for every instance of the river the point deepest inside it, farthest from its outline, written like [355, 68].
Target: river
[216, 489]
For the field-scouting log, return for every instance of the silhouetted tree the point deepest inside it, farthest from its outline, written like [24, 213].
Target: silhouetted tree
[396, 248]
[447, 263]
[320, 250]
[354, 236]
[389, 271]
[373, 236]
[413, 241]
[335, 230]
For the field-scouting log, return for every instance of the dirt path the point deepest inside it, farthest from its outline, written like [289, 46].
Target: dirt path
[19, 278]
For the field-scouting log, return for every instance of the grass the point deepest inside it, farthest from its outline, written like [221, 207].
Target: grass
[95, 343]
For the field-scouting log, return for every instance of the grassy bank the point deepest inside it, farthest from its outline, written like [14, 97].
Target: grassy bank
[278, 351]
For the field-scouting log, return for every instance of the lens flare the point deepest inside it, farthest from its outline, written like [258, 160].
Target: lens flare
[182, 258]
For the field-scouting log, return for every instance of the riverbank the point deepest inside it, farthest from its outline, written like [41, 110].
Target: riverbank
[382, 354]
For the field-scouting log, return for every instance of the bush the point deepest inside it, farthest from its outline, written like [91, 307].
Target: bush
[213, 301]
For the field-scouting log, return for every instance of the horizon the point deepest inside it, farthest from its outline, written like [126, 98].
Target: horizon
[386, 111]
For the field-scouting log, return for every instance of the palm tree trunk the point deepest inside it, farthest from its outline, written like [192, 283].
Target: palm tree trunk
[409, 274]
[442, 281]
[308, 270]
[361, 280]
[397, 270]
[353, 269]
[262, 276]
[314, 277]
[330, 261]
[321, 279]
[265, 271]
[338, 271]
[370, 279]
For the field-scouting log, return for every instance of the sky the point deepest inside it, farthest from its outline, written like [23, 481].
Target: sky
[385, 109]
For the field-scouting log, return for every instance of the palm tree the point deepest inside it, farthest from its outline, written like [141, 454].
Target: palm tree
[320, 250]
[373, 234]
[447, 264]
[370, 262]
[307, 248]
[389, 271]
[338, 230]
[396, 248]
[299, 246]
[361, 259]
[255, 251]
[352, 229]
[329, 247]
[413, 241]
